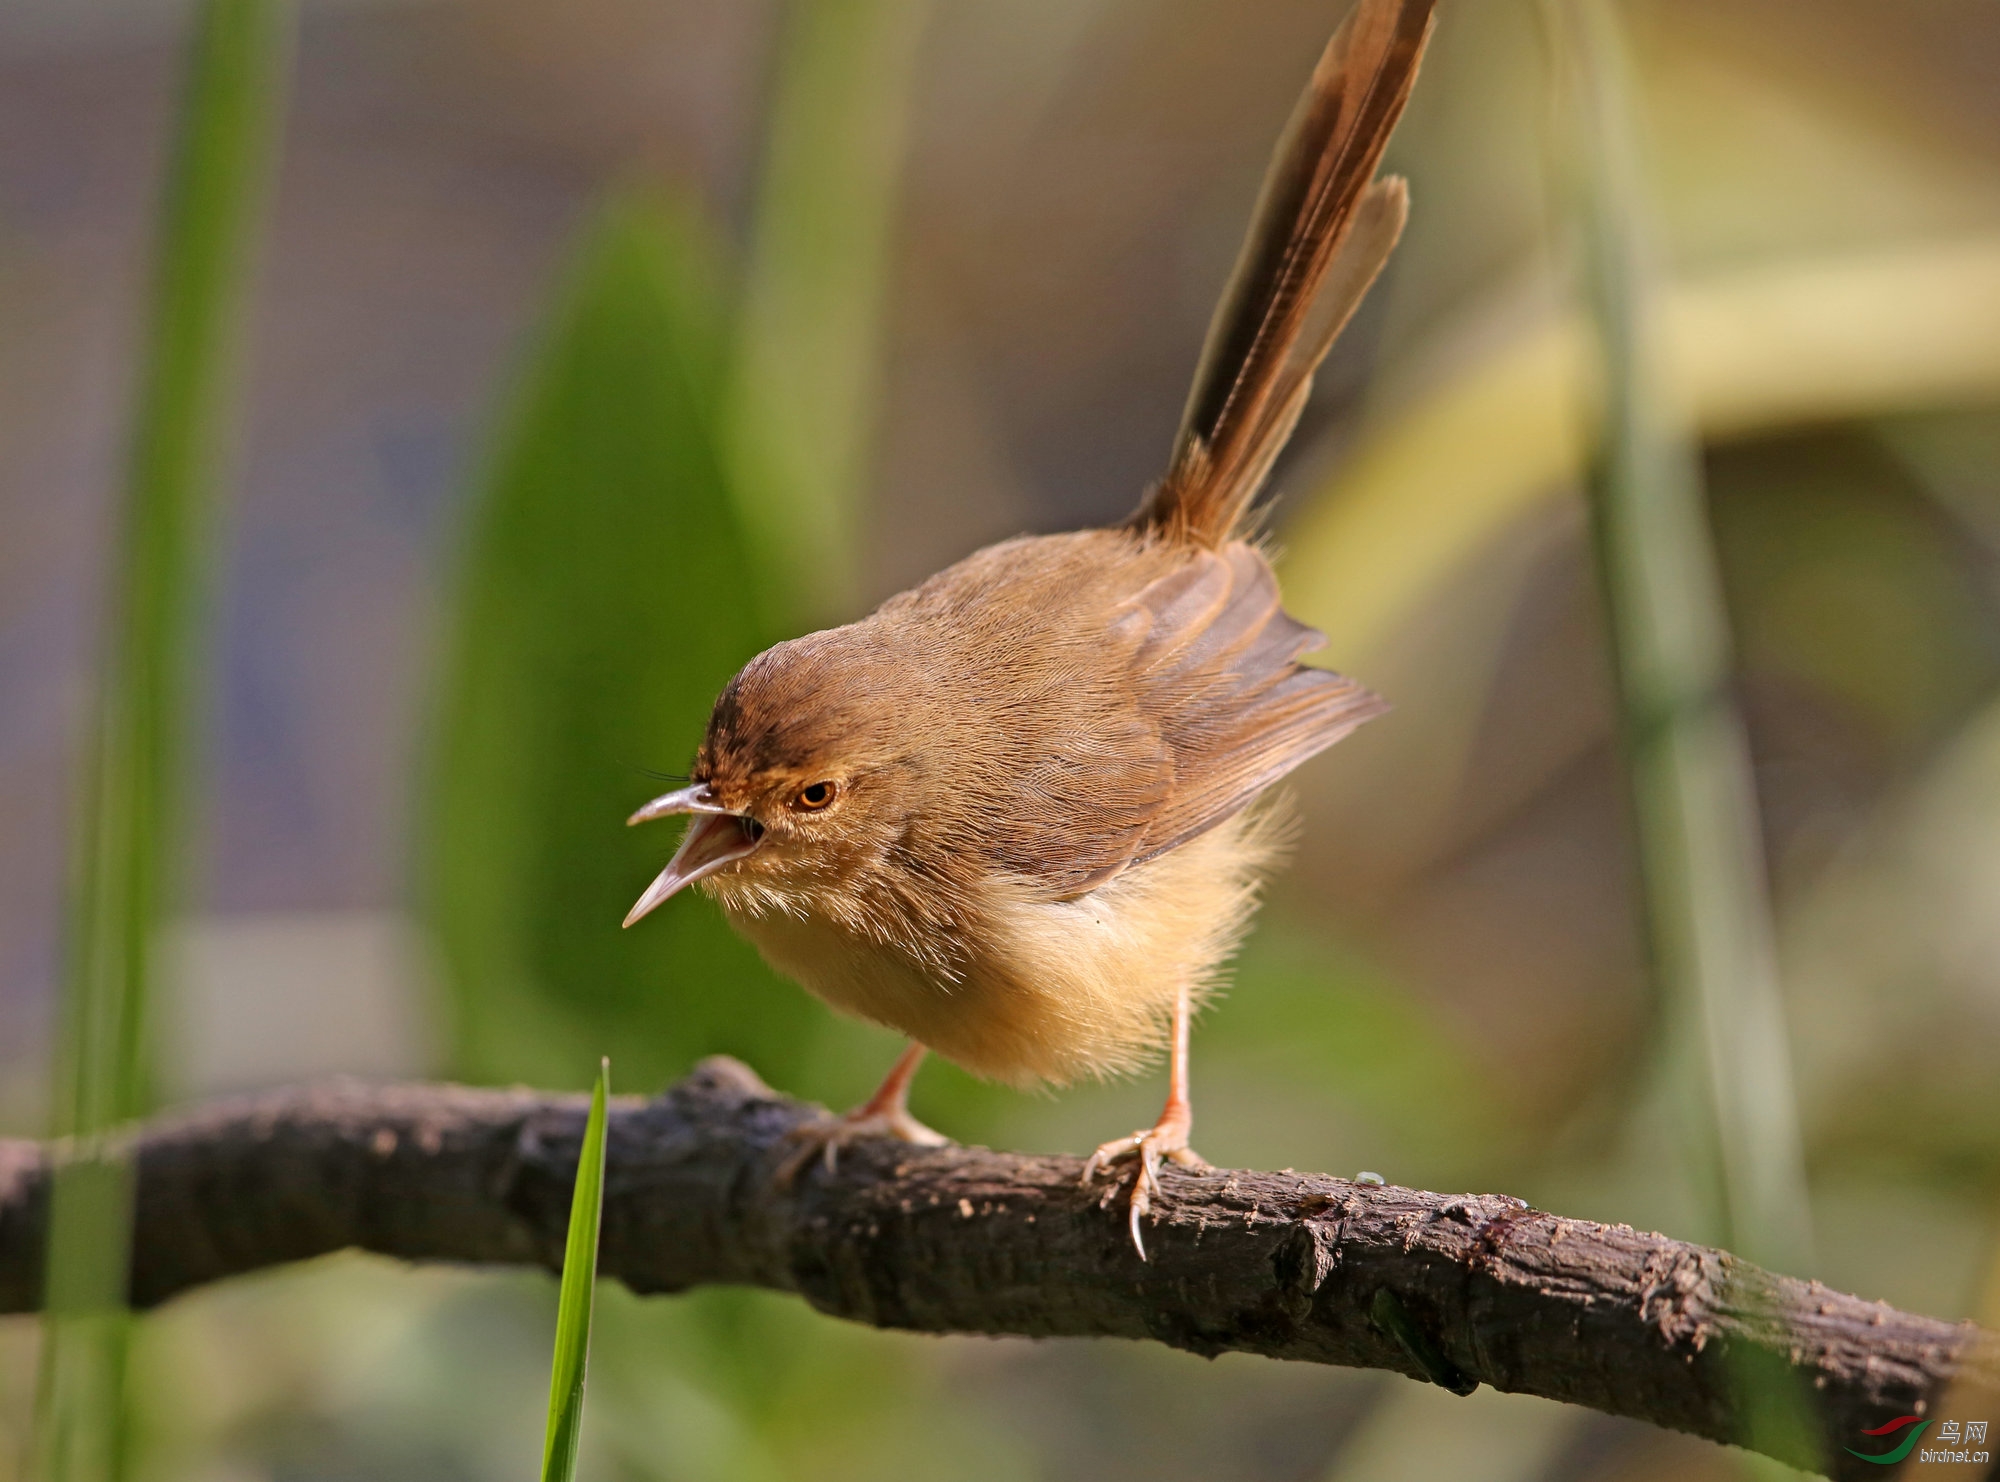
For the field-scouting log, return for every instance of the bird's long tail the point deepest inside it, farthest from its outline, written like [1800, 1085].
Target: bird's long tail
[1323, 227]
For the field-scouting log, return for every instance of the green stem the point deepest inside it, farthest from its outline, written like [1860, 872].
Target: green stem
[131, 807]
[807, 371]
[1707, 915]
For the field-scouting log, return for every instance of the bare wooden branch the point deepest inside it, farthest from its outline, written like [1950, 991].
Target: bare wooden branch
[1458, 1289]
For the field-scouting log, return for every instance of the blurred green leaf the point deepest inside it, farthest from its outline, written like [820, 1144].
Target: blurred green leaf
[579, 1292]
[607, 596]
[130, 832]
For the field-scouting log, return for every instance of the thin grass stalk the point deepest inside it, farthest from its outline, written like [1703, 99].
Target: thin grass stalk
[579, 1293]
[131, 806]
[1725, 1054]
[807, 374]
[1709, 936]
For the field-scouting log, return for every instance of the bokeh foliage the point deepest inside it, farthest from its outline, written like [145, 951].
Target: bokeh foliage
[131, 840]
[605, 596]
[651, 465]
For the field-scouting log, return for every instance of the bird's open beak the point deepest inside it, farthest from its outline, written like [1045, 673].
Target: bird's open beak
[716, 837]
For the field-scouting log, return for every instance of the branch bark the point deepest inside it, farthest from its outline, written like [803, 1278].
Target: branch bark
[1457, 1289]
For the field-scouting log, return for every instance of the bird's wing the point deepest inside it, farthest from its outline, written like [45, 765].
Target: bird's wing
[1165, 698]
[1192, 702]
[1218, 674]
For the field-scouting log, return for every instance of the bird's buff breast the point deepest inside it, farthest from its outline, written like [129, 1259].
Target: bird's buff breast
[1057, 990]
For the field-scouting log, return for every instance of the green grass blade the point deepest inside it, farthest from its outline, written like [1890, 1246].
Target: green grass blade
[579, 1293]
[1710, 938]
[131, 807]
[228, 126]
[808, 352]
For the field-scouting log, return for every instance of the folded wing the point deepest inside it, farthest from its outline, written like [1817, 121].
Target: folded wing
[1219, 675]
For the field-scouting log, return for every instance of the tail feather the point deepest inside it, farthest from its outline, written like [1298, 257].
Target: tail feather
[1321, 232]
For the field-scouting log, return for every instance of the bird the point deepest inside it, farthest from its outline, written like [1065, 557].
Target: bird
[1014, 813]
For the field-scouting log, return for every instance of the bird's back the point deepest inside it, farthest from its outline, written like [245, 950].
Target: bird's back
[1109, 696]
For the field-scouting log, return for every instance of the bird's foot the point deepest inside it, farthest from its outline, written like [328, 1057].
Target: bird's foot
[825, 1137]
[1166, 1139]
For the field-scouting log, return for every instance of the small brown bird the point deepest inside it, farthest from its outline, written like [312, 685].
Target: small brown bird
[1008, 813]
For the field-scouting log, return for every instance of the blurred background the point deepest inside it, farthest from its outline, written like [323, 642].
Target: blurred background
[591, 348]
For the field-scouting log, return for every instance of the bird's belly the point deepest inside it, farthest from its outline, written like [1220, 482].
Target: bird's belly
[1051, 990]
[853, 973]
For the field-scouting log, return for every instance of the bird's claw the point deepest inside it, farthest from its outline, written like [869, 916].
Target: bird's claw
[1147, 1148]
[827, 1135]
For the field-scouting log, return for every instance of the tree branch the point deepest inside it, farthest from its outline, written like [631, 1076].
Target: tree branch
[1457, 1289]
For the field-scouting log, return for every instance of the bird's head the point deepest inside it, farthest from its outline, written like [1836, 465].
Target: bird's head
[803, 781]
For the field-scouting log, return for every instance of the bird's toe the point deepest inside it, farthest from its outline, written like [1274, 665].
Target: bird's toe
[826, 1137]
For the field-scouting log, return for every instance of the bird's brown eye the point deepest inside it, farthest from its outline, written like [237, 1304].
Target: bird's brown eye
[812, 799]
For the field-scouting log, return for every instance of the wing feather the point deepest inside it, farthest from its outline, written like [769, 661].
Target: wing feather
[1167, 699]
[1236, 709]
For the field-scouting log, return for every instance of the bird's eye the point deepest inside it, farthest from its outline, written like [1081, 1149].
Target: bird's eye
[817, 796]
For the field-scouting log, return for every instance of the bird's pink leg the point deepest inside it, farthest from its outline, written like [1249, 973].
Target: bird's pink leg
[1166, 1138]
[885, 1114]
[892, 1097]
